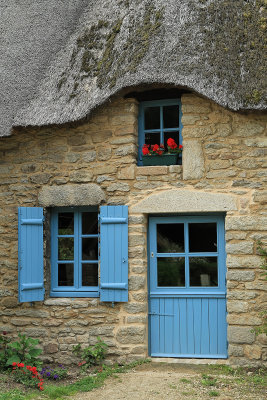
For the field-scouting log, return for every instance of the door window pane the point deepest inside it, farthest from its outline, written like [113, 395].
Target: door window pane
[152, 138]
[89, 274]
[152, 118]
[202, 237]
[170, 238]
[171, 116]
[65, 248]
[90, 248]
[65, 274]
[89, 223]
[66, 223]
[171, 271]
[203, 271]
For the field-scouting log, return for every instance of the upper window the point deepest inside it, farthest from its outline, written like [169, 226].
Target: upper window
[74, 252]
[159, 121]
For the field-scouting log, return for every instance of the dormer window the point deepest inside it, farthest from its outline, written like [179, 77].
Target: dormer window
[159, 120]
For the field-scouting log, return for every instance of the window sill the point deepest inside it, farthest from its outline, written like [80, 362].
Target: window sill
[74, 294]
[158, 169]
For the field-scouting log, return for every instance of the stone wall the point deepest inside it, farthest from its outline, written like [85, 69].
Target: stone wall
[94, 162]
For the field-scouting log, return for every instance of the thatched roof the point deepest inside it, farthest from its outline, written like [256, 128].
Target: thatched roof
[59, 59]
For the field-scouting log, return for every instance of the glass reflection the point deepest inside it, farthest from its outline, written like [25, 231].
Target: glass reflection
[202, 237]
[171, 271]
[170, 238]
[66, 223]
[89, 274]
[65, 248]
[203, 271]
[89, 248]
[65, 274]
[152, 118]
[89, 223]
[152, 138]
[171, 116]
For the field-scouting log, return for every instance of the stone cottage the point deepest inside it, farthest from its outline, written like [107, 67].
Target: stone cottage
[158, 260]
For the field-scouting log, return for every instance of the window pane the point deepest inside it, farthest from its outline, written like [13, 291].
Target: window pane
[203, 237]
[170, 238]
[173, 135]
[171, 116]
[89, 274]
[89, 223]
[203, 271]
[152, 118]
[90, 248]
[152, 138]
[66, 223]
[171, 271]
[65, 274]
[66, 248]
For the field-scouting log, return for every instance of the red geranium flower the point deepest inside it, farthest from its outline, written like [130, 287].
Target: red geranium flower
[145, 151]
[155, 147]
[171, 143]
[180, 146]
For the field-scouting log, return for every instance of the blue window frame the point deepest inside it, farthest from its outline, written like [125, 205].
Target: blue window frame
[74, 252]
[158, 121]
[187, 255]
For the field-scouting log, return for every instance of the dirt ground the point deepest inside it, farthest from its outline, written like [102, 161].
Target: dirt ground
[157, 381]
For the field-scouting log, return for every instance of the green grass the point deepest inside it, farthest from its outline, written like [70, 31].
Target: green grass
[242, 376]
[214, 393]
[85, 384]
[184, 380]
[208, 380]
[17, 395]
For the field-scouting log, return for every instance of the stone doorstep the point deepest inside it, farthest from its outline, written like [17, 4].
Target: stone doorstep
[193, 361]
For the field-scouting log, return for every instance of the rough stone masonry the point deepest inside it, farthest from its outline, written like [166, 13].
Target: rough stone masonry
[94, 162]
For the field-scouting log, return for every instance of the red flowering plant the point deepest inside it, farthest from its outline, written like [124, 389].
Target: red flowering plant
[155, 149]
[27, 375]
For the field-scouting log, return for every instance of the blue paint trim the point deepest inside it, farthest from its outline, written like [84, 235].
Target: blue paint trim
[141, 123]
[74, 294]
[77, 290]
[202, 331]
[178, 355]
[30, 254]
[172, 292]
[114, 253]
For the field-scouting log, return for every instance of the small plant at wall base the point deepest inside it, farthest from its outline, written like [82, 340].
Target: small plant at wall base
[23, 350]
[92, 355]
[4, 350]
[157, 154]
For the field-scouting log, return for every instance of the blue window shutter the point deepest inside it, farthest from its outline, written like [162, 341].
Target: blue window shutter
[114, 253]
[30, 252]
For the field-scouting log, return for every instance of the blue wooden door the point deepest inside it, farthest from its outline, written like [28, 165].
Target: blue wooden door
[187, 293]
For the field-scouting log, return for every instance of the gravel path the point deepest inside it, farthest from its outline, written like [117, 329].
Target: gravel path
[173, 382]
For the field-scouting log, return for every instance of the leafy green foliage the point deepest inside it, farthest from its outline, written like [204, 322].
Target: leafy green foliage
[92, 355]
[4, 350]
[22, 350]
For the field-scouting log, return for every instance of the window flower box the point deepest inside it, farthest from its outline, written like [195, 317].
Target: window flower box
[164, 159]
[157, 155]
